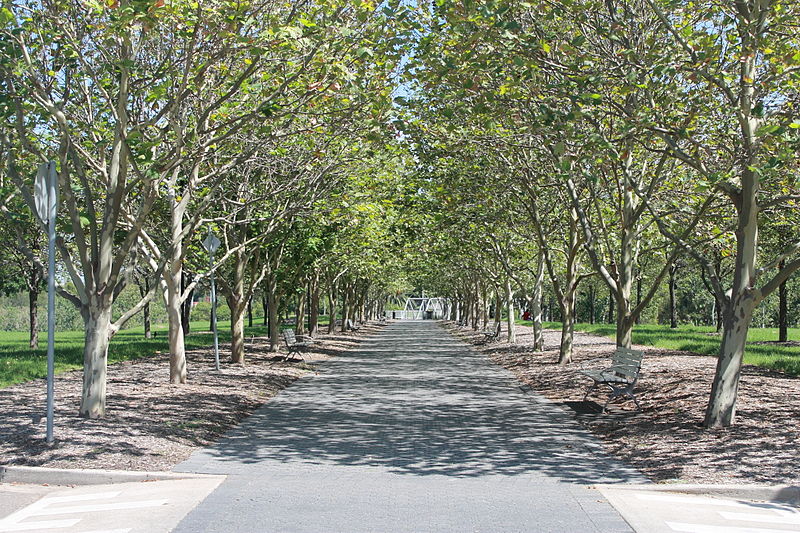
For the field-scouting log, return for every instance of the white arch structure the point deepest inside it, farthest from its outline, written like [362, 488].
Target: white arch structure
[422, 308]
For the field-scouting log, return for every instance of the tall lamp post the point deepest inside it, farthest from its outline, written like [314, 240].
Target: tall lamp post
[46, 196]
[211, 244]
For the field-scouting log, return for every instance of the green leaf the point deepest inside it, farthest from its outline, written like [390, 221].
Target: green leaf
[7, 17]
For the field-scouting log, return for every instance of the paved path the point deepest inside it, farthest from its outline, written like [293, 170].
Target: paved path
[410, 431]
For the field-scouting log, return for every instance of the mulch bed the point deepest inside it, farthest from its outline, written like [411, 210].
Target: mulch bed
[149, 424]
[666, 440]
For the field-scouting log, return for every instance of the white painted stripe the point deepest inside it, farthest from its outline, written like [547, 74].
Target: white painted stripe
[97, 507]
[783, 518]
[80, 497]
[700, 528]
[110, 531]
[690, 500]
[44, 524]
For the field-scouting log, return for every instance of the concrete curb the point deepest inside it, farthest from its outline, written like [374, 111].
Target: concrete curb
[771, 493]
[37, 475]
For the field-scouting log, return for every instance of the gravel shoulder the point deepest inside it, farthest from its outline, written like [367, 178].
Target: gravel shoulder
[151, 425]
[666, 440]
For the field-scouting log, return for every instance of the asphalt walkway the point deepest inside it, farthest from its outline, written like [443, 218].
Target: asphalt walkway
[410, 431]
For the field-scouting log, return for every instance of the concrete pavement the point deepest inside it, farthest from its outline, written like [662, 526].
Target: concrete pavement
[132, 507]
[706, 509]
[411, 431]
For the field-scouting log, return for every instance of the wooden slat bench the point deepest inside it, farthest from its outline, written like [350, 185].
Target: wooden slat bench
[491, 334]
[295, 345]
[620, 377]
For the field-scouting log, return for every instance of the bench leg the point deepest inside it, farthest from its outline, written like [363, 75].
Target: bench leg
[616, 392]
[589, 390]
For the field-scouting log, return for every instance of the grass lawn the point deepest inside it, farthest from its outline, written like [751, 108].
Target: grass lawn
[703, 340]
[18, 363]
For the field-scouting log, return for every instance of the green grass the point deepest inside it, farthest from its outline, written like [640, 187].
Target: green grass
[19, 363]
[703, 340]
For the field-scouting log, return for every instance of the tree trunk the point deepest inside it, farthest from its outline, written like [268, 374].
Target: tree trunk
[272, 313]
[485, 309]
[264, 307]
[783, 309]
[237, 332]
[567, 329]
[721, 411]
[363, 307]
[591, 304]
[238, 305]
[673, 311]
[331, 310]
[512, 330]
[536, 311]
[625, 331]
[186, 306]
[97, 322]
[250, 312]
[173, 280]
[345, 307]
[300, 322]
[611, 303]
[638, 296]
[148, 334]
[33, 309]
[177, 349]
[313, 322]
[146, 309]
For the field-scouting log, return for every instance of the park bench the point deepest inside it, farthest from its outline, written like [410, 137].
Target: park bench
[491, 333]
[620, 377]
[351, 326]
[295, 345]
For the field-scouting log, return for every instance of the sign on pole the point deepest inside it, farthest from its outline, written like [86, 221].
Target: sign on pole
[211, 243]
[45, 190]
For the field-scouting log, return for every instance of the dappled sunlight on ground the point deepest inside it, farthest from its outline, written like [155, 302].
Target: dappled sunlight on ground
[666, 439]
[150, 424]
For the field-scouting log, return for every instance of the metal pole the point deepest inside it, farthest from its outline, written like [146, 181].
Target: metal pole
[51, 298]
[214, 313]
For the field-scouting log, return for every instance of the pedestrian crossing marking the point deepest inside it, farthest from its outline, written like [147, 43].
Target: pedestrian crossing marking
[7, 526]
[99, 507]
[701, 528]
[704, 500]
[47, 500]
[781, 518]
[55, 505]
[127, 530]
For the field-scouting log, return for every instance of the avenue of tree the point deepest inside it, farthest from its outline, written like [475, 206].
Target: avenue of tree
[503, 154]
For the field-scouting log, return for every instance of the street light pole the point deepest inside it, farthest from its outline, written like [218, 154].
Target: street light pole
[214, 314]
[46, 196]
[211, 243]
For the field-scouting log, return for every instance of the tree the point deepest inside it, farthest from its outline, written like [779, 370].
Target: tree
[741, 86]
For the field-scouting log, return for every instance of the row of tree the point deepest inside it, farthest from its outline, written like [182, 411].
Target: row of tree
[611, 140]
[260, 121]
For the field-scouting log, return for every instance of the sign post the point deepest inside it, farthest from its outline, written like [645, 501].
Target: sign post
[46, 196]
[211, 244]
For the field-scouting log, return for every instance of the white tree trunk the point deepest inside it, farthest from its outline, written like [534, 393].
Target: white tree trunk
[177, 351]
[536, 307]
[95, 361]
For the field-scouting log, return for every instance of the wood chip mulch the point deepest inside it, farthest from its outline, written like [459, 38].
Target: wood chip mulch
[666, 440]
[151, 425]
